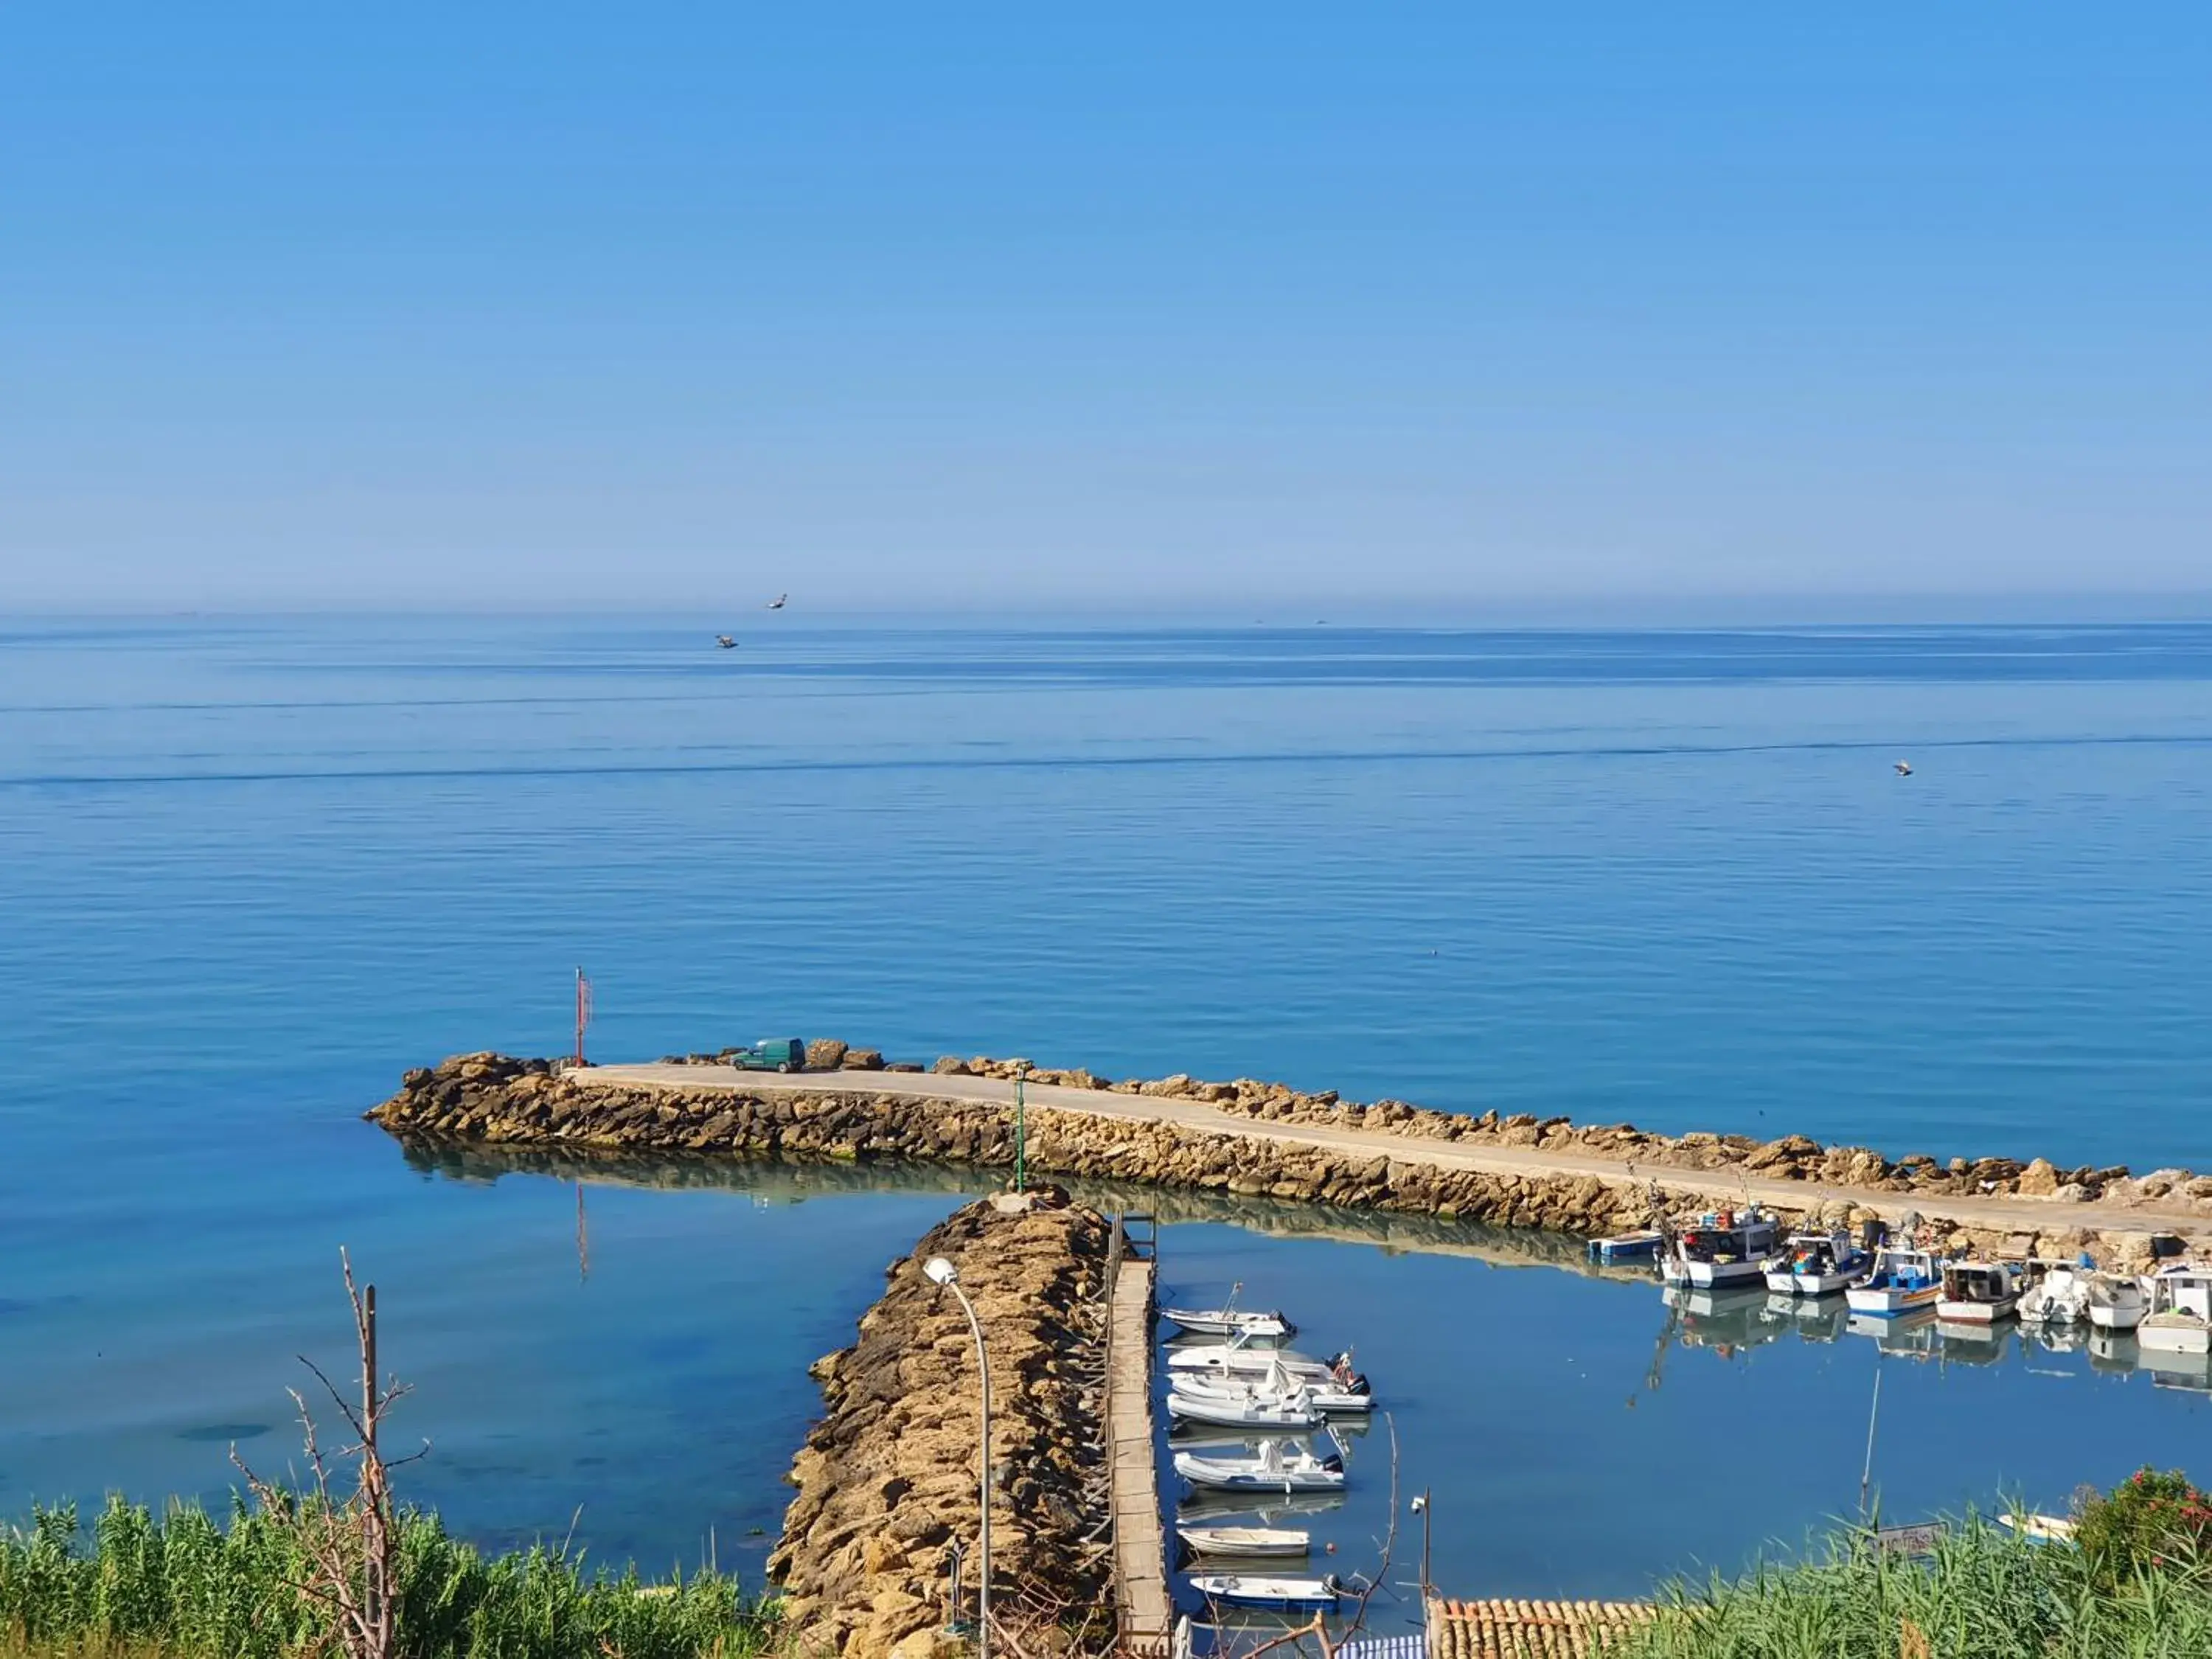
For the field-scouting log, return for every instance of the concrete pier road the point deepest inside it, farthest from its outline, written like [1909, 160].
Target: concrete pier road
[1999, 1212]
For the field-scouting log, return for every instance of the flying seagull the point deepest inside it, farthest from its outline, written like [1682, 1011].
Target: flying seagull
[778, 601]
[1904, 769]
[726, 642]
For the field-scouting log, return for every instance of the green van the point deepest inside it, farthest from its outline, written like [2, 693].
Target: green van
[771, 1054]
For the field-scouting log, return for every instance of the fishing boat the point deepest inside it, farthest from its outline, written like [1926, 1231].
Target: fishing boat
[1252, 1590]
[1273, 1468]
[1902, 1281]
[2117, 1302]
[1252, 1356]
[2180, 1316]
[1248, 1543]
[1229, 1321]
[1720, 1247]
[1246, 1410]
[1815, 1264]
[2059, 1296]
[1639, 1246]
[1978, 1293]
[1326, 1392]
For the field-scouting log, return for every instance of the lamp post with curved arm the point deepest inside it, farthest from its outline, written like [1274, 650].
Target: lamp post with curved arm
[942, 1272]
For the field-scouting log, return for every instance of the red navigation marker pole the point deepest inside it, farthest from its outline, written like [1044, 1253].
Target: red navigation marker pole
[583, 1012]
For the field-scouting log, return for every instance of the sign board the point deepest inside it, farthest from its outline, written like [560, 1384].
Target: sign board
[1917, 1539]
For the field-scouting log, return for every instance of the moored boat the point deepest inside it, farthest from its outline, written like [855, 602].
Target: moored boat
[1978, 1293]
[1253, 1543]
[2058, 1295]
[1293, 1412]
[1252, 1356]
[1720, 1249]
[1815, 1264]
[1643, 1245]
[1258, 1590]
[1231, 1321]
[1274, 1468]
[2117, 1302]
[1902, 1281]
[1328, 1393]
[2179, 1319]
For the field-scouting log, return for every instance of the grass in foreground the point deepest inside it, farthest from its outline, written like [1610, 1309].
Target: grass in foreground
[1984, 1595]
[185, 1586]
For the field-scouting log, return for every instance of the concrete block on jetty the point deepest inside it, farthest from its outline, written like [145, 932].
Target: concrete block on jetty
[1267, 1139]
[887, 1480]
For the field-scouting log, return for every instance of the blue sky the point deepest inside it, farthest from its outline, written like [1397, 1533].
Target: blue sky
[1229, 307]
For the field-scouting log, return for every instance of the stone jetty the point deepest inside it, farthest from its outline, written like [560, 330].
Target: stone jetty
[1267, 1139]
[887, 1480]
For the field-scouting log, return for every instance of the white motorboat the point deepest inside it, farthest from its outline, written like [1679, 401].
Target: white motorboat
[2059, 1296]
[1293, 1412]
[1252, 1356]
[1248, 1543]
[1326, 1393]
[1252, 1590]
[1902, 1281]
[2179, 1320]
[1978, 1293]
[2117, 1302]
[1815, 1264]
[1720, 1247]
[1229, 1321]
[1273, 1468]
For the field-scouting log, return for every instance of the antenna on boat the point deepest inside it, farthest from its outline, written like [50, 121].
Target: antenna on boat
[1873, 1413]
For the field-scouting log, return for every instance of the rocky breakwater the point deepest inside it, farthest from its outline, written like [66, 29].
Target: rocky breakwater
[887, 1480]
[868, 1113]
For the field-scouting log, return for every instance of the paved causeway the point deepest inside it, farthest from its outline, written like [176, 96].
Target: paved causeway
[1997, 1213]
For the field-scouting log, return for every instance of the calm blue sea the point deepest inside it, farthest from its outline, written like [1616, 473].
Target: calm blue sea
[252, 870]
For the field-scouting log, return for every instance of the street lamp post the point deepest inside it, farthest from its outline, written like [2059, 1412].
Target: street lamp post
[1021, 1129]
[941, 1272]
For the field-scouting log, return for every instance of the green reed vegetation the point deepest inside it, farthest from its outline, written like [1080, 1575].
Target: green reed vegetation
[2137, 1585]
[184, 1585]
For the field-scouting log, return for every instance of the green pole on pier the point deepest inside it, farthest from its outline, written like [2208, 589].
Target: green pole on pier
[1021, 1127]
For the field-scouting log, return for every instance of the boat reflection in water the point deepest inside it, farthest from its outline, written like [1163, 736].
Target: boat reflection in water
[1815, 1318]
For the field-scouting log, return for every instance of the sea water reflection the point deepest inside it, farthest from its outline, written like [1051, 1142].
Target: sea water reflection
[1580, 1430]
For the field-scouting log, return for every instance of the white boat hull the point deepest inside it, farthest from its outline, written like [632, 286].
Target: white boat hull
[1886, 1303]
[1714, 1275]
[1974, 1313]
[1246, 1590]
[1264, 1416]
[1226, 1322]
[1248, 1543]
[2108, 1316]
[2165, 1335]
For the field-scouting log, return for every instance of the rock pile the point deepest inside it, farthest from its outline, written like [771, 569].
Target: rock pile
[887, 1481]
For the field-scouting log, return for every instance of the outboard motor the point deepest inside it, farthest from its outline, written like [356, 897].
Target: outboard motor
[1357, 1384]
[1333, 1462]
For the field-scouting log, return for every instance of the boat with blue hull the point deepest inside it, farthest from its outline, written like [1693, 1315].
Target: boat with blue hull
[1902, 1281]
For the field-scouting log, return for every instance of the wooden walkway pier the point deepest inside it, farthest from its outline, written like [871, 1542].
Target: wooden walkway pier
[1144, 1609]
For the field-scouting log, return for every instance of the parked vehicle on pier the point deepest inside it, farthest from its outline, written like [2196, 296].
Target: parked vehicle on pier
[1816, 1264]
[1978, 1293]
[1902, 1281]
[1720, 1247]
[771, 1054]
